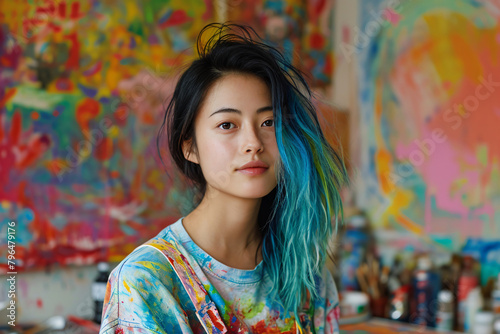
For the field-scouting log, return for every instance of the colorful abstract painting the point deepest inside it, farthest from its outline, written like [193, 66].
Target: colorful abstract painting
[303, 29]
[83, 88]
[429, 79]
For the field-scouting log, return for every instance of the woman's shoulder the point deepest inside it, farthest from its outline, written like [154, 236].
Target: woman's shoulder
[145, 294]
[144, 259]
[326, 305]
[327, 288]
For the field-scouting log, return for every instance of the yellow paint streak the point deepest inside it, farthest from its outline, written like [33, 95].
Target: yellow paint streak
[383, 161]
[126, 286]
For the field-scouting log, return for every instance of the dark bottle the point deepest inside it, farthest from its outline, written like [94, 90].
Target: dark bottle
[426, 284]
[99, 290]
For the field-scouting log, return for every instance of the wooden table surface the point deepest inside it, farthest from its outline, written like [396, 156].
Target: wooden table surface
[385, 326]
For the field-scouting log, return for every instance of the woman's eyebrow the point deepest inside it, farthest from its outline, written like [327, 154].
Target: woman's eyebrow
[260, 110]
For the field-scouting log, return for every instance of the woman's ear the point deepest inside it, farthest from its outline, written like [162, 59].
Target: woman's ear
[189, 152]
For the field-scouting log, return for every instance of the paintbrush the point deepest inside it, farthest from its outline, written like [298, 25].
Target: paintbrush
[362, 281]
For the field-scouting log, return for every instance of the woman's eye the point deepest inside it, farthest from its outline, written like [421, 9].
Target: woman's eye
[270, 120]
[223, 124]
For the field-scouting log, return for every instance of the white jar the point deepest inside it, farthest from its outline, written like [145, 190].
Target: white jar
[483, 322]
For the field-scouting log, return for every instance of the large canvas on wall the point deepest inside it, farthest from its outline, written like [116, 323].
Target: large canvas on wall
[83, 90]
[429, 76]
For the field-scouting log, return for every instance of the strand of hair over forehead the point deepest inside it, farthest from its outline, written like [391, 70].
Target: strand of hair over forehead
[311, 173]
[226, 32]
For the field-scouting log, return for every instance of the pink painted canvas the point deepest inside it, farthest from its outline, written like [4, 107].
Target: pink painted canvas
[429, 105]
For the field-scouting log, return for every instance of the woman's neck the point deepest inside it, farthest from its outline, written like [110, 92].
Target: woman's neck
[226, 227]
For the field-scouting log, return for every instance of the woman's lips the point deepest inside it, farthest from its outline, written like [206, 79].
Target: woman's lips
[253, 170]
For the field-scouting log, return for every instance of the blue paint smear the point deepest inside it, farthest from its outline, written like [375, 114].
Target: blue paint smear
[87, 91]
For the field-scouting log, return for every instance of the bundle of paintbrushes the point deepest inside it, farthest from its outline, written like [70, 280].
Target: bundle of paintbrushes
[373, 281]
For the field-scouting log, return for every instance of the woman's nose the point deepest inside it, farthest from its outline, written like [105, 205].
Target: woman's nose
[252, 141]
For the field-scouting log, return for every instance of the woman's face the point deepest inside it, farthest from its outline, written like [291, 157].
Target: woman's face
[235, 125]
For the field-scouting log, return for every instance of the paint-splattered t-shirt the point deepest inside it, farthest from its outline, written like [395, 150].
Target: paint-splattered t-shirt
[145, 295]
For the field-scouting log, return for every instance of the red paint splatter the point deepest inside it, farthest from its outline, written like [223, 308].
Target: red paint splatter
[62, 9]
[75, 10]
[85, 111]
[315, 8]
[121, 114]
[104, 150]
[33, 152]
[74, 52]
[328, 65]
[39, 303]
[215, 320]
[54, 27]
[317, 41]
[8, 95]
[178, 17]
[15, 128]
[209, 10]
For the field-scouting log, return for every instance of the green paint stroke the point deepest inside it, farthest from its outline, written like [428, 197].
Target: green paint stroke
[250, 310]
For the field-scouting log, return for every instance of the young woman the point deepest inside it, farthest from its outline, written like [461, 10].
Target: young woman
[250, 258]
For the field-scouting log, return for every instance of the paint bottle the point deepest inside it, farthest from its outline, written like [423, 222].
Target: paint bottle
[474, 303]
[99, 290]
[444, 317]
[467, 281]
[426, 283]
[449, 280]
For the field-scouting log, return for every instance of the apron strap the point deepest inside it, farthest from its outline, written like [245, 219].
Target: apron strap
[206, 311]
